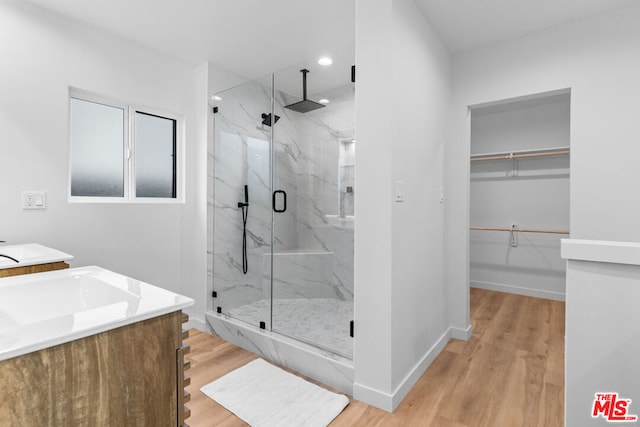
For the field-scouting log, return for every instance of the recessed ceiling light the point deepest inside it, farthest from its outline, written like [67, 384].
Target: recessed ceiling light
[217, 98]
[323, 101]
[325, 60]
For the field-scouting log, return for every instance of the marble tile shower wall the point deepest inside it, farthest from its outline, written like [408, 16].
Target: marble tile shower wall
[312, 257]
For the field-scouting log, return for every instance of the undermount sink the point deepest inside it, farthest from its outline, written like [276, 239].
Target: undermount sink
[29, 254]
[41, 310]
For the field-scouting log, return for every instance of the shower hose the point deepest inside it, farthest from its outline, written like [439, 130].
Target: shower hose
[245, 261]
[245, 214]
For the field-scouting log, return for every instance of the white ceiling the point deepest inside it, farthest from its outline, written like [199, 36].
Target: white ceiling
[255, 37]
[467, 24]
[249, 37]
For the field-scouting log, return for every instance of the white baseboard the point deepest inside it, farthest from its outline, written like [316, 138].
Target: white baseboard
[196, 323]
[373, 397]
[417, 371]
[389, 402]
[461, 334]
[529, 292]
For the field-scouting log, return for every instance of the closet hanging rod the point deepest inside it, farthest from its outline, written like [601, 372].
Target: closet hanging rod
[519, 230]
[525, 151]
[537, 152]
[521, 156]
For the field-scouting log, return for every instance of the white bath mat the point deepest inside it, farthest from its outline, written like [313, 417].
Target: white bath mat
[264, 395]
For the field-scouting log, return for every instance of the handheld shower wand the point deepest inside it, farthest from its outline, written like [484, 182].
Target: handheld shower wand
[245, 214]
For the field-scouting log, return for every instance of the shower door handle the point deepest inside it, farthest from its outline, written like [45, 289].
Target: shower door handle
[284, 200]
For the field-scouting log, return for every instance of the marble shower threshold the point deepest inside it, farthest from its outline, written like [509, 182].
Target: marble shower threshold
[321, 322]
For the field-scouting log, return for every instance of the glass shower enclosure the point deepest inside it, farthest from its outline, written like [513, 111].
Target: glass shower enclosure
[283, 215]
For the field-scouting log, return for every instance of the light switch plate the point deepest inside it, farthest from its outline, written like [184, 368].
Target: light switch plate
[32, 200]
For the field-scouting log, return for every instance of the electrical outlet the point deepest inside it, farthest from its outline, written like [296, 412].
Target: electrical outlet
[34, 200]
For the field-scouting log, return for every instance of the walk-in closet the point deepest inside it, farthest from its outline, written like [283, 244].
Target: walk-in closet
[519, 194]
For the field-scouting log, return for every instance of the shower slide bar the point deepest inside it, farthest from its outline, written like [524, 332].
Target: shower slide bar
[523, 154]
[245, 216]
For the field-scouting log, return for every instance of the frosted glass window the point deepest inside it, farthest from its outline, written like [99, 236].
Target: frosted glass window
[155, 156]
[97, 149]
[122, 153]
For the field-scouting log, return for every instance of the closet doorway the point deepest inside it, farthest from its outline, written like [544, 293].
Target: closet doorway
[519, 194]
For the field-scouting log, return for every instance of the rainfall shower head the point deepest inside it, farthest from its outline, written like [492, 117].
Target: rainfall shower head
[305, 105]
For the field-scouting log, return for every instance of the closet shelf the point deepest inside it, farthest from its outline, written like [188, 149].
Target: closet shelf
[519, 230]
[522, 154]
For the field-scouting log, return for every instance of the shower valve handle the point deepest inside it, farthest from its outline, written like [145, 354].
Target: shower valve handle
[246, 198]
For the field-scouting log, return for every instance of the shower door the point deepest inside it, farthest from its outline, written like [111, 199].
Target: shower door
[283, 206]
[312, 259]
[242, 203]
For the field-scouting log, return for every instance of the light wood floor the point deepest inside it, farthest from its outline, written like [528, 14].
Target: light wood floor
[510, 373]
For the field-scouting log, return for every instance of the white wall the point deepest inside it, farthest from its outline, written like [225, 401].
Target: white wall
[43, 55]
[599, 59]
[373, 233]
[420, 94]
[401, 102]
[533, 193]
[603, 327]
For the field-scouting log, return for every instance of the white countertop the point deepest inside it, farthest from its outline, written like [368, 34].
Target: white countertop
[601, 251]
[46, 309]
[30, 254]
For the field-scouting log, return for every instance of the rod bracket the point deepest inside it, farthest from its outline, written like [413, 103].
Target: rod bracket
[514, 165]
[514, 235]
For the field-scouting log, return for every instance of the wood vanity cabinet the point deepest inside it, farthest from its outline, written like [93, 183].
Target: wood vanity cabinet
[128, 376]
[38, 268]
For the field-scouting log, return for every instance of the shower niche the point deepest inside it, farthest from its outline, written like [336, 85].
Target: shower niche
[282, 206]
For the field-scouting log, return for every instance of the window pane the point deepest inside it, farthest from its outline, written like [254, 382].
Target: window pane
[97, 149]
[155, 156]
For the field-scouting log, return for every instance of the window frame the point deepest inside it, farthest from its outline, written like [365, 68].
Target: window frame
[128, 158]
